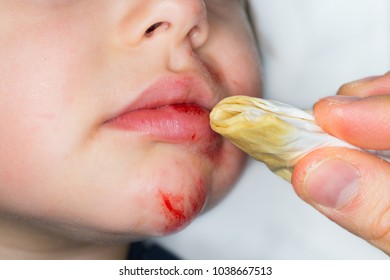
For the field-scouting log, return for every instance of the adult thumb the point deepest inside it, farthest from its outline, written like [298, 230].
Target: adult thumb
[350, 187]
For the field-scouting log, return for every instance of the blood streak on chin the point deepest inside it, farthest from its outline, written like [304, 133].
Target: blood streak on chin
[179, 210]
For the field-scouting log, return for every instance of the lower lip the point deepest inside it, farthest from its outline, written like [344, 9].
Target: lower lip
[171, 123]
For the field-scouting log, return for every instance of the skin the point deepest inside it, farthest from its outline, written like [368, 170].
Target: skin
[359, 115]
[69, 186]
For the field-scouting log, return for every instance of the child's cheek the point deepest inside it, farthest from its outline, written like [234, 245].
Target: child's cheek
[239, 62]
[245, 78]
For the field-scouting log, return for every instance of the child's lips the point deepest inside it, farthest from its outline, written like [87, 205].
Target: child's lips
[174, 110]
[169, 123]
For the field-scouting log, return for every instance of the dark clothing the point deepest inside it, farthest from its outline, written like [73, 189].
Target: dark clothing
[149, 251]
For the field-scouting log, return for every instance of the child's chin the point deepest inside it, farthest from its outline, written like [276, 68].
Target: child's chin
[159, 212]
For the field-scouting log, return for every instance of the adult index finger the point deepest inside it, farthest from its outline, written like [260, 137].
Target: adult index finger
[363, 122]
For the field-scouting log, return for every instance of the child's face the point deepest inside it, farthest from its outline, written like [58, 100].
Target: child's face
[104, 111]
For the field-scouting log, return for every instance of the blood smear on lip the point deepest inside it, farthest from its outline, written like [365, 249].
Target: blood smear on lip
[189, 109]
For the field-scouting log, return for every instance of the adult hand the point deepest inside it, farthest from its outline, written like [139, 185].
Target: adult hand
[350, 187]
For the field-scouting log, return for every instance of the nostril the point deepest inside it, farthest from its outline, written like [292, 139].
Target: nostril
[153, 27]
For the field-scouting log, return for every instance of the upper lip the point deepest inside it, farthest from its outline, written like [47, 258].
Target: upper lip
[175, 89]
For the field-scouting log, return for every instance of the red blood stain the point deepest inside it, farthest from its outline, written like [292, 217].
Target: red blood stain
[174, 204]
[180, 210]
[189, 109]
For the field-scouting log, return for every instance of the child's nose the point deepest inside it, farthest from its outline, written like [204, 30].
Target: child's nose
[174, 21]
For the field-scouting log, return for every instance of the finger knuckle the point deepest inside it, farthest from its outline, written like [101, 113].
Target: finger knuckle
[381, 227]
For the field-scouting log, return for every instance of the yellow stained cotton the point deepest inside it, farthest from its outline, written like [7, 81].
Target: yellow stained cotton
[271, 132]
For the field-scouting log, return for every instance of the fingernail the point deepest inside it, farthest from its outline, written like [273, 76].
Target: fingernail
[355, 88]
[342, 99]
[360, 82]
[332, 183]
[366, 79]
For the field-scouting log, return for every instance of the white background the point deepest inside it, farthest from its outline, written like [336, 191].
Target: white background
[309, 48]
[281, 270]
